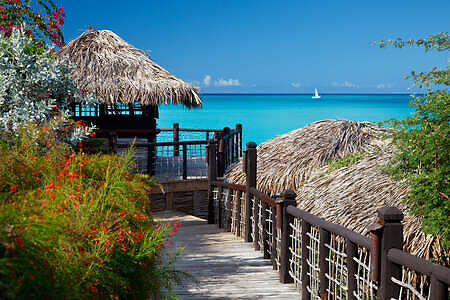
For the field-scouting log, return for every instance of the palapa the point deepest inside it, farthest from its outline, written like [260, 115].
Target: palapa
[115, 71]
[349, 195]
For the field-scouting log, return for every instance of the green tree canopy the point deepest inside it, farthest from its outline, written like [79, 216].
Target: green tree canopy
[422, 141]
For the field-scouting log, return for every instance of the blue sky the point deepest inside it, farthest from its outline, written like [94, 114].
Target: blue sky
[273, 46]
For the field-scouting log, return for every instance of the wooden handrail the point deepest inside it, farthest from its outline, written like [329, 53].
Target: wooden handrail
[331, 227]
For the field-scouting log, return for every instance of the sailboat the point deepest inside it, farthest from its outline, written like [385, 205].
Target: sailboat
[316, 94]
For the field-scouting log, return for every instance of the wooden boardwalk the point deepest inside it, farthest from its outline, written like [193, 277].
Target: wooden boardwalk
[223, 265]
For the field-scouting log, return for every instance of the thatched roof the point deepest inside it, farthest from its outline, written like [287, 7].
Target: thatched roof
[349, 195]
[115, 71]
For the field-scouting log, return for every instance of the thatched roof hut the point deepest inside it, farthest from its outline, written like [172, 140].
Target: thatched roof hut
[115, 71]
[334, 167]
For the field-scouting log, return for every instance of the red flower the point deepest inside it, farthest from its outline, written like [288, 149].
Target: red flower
[122, 213]
[93, 290]
[13, 187]
[19, 242]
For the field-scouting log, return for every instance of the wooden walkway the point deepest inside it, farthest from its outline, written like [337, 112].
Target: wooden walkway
[223, 265]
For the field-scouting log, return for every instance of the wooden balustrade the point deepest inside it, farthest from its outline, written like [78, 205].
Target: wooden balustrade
[309, 247]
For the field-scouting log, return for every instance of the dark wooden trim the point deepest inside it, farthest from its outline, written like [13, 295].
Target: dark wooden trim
[423, 266]
[184, 161]
[229, 209]
[391, 237]
[212, 177]
[238, 212]
[265, 236]
[331, 227]
[273, 255]
[306, 227]
[251, 182]
[351, 250]
[263, 197]
[324, 238]
[256, 217]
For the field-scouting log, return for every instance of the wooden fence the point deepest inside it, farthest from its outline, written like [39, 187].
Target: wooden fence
[179, 153]
[324, 260]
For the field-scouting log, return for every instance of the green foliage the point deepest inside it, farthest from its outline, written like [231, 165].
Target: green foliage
[74, 225]
[346, 161]
[422, 157]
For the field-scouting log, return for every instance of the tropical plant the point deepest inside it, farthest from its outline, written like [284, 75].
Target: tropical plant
[75, 226]
[422, 141]
[40, 19]
[36, 87]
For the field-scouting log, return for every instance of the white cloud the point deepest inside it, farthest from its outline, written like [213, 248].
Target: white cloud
[229, 82]
[296, 84]
[384, 86]
[207, 80]
[345, 84]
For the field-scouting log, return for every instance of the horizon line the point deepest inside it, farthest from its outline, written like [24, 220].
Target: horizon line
[304, 94]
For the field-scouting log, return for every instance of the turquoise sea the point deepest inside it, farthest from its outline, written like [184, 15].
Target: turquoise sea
[266, 116]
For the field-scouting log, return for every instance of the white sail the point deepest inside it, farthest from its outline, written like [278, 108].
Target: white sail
[316, 94]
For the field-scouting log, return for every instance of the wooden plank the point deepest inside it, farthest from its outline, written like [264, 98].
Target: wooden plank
[222, 265]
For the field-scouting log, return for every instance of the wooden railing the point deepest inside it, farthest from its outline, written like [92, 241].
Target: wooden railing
[324, 260]
[179, 153]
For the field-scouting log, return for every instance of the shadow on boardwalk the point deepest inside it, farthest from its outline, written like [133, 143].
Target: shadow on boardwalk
[223, 265]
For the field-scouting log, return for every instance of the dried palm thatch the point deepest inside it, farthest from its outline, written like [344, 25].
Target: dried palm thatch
[349, 195]
[115, 71]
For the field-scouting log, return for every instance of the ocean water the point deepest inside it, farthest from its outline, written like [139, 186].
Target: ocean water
[266, 116]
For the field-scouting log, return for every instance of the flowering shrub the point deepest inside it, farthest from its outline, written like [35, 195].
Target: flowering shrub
[36, 87]
[43, 26]
[74, 226]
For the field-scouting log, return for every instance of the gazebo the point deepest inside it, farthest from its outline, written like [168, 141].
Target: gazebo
[129, 83]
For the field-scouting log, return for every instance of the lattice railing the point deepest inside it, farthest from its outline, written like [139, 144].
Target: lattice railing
[325, 260]
[295, 260]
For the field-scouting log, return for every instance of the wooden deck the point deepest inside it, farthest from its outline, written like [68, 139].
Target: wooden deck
[223, 265]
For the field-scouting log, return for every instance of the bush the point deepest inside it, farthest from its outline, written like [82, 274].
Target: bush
[74, 225]
[422, 142]
[36, 87]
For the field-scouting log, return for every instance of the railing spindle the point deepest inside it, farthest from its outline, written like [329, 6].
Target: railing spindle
[184, 161]
[256, 204]
[306, 227]
[391, 237]
[273, 255]
[352, 268]
[212, 176]
[176, 139]
[265, 236]
[238, 213]
[324, 238]
[251, 182]
[288, 199]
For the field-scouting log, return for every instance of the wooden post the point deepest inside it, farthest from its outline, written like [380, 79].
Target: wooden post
[220, 156]
[391, 237]
[265, 236]
[324, 238]
[212, 176]
[273, 254]
[256, 236]
[239, 146]
[288, 199]
[306, 228]
[352, 267]
[229, 209]
[238, 213]
[176, 139]
[251, 182]
[184, 161]
[438, 290]
[151, 153]
[218, 208]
